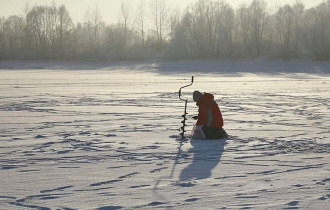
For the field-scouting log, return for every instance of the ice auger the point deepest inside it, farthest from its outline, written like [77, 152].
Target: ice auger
[185, 108]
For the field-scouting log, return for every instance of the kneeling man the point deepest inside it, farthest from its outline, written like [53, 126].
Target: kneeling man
[209, 120]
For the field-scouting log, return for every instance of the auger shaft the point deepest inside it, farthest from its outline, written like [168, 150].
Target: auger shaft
[185, 108]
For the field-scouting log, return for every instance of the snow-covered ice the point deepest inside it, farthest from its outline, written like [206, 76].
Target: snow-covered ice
[105, 136]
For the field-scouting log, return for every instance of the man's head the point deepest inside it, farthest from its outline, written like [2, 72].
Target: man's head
[197, 95]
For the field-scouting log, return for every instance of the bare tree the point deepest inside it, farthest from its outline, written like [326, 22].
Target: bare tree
[159, 12]
[93, 27]
[298, 10]
[65, 26]
[174, 20]
[141, 20]
[126, 15]
[13, 31]
[37, 28]
[2, 37]
[284, 23]
[258, 16]
[224, 29]
[244, 33]
[321, 34]
[97, 21]
[206, 28]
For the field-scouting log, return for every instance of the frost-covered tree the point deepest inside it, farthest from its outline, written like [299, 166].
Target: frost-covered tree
[141, 21]
[284, 26]
[288, 29]
[205, 29]
[12, 33]
[317, 31]
[159, 11]
[64, 27]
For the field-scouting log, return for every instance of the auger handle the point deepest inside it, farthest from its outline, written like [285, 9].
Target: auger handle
[192, 81]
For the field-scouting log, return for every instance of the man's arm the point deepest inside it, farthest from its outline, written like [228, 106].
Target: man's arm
[202, 115]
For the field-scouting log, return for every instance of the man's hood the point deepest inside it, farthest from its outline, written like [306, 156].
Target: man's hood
[205, 98]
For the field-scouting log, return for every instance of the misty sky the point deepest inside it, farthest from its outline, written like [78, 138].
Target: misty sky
[110, 9]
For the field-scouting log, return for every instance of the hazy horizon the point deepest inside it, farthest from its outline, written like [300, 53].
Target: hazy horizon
[110, 10]
[129, 30]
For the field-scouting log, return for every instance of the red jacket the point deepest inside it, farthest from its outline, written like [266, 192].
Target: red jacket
[204, 104]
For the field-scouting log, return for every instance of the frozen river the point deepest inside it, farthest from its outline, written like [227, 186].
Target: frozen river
[109, 139]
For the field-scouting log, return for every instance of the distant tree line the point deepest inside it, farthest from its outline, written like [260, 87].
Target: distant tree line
[205, 29]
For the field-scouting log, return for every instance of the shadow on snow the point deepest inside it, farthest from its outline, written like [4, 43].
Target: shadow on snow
[206, 156]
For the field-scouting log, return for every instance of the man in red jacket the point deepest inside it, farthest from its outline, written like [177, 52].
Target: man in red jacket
[209, 121]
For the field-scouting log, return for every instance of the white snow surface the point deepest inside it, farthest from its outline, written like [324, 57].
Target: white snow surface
[91, 135]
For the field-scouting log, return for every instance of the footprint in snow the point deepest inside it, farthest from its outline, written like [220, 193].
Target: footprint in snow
[298, 185]
[185, 184]
[293, 203]
[105, 182]
[191, 199]
[110, 135]
[57, 189]
[150, 147]
[158, 169]
[325, 197]
[40, 137]
[174, 136]
[156, 203]
[85, 133]
[128, 175]
[140, 186]
[110, 208]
